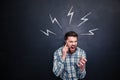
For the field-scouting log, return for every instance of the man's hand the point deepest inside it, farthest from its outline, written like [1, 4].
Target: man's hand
[64, 51]
[81, 63]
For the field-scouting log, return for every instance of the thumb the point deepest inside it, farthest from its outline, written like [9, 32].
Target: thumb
[78, 64]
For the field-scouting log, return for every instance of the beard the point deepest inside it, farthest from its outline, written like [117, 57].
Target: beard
[72, 49]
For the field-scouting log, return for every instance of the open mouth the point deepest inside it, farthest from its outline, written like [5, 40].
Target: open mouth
[73, 47]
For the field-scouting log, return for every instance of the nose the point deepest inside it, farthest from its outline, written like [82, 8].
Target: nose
[73, 43]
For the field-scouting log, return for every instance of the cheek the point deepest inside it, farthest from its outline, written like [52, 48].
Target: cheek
[69, 45]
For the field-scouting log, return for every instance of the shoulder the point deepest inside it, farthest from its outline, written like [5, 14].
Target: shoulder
[79, 49]
[81, 52]
[58, 51]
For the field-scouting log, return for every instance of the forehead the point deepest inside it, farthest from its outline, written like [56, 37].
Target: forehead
[72, 38]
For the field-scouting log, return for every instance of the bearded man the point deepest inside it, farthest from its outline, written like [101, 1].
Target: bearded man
[70, 60]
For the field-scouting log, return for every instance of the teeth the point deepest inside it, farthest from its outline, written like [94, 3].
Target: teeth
[72, 47]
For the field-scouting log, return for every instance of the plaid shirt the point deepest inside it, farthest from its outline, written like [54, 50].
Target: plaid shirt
[67, 69]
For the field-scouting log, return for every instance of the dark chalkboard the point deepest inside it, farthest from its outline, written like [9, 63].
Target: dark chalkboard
[31, 30]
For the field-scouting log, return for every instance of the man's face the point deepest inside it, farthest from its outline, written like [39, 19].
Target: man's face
[72, 43]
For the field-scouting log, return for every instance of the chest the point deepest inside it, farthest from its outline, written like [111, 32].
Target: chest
[72, 60]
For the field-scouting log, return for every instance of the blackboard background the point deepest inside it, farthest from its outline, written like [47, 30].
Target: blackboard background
[26, 53]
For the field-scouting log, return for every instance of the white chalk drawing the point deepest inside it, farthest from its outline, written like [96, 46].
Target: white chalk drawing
[47, 32]
[84, 19]
[90, 32]
[55, 20]
[70, 14]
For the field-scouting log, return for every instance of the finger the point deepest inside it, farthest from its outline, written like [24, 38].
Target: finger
[66, 46]
[78, 64]
[84, 59]
[83, 62]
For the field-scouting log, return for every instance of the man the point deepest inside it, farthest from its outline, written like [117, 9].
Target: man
[69, 60]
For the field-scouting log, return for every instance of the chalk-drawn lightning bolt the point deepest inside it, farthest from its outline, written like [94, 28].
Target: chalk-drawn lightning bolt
[84, 19]
[47, 32]
[55, 20]
[90, 32]
[70, 14]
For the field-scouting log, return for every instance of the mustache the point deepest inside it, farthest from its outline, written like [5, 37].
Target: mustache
[74, 46]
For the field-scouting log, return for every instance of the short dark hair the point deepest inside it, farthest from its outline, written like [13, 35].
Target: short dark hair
[70, 33]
